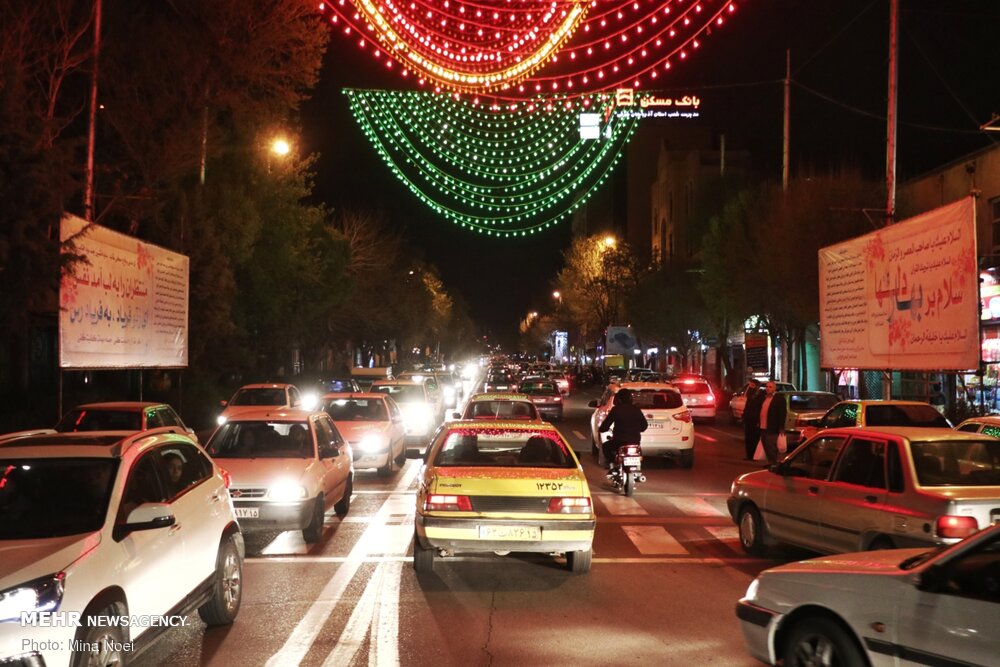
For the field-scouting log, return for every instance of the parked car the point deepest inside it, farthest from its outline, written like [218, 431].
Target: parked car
[670, 432]
[895, 607]
[500, 406]
[503, 487]
[739, 400]
[802, 408]
[851, 489]
[271, 394]
[877, 413]
[100, 524]
[373, 426]
[289, 467]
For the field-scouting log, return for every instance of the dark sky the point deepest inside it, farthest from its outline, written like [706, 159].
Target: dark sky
[948, 86]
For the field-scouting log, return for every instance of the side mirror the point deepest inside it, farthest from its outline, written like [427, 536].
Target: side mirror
[148, 516]
[416, 454]
[592, 404]
[456, 415]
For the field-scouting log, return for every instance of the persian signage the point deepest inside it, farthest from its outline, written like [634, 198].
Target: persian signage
[904, 297]
[124, 304]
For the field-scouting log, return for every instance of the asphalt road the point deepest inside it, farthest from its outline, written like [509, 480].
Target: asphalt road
[667, 572]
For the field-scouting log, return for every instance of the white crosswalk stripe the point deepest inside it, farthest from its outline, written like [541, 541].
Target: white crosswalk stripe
[620, 505]
[654, 540]
[695, 506]
[727, 534]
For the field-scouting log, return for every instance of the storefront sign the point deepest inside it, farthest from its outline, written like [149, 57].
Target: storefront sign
[125, 305]
[904, 297]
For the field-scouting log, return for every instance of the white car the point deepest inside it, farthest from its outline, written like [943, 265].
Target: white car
[670, 431]
[885, 608]
[698, 396]
[739, 400]
[275, 395]
[289, 468]
[108, 539]
[373, 425]
[420, 412]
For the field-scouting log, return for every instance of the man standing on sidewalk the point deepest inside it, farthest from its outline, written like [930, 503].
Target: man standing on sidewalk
[772, 421]
[751, 418]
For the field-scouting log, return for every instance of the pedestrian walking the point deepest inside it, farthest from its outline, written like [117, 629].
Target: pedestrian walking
[751, 418]
[772, 421]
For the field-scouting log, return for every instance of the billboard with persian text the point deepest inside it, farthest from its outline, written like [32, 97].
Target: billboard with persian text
[124, 304]
[904, 297]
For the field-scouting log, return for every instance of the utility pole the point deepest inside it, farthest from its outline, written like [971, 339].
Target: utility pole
[890, 143]
[786, 135]
[88, 193]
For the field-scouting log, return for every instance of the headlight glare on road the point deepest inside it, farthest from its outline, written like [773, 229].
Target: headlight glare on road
[285, 491]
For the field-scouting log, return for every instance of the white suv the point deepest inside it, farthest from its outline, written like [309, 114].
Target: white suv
[289, 468]
[107, 540]
[670, 431]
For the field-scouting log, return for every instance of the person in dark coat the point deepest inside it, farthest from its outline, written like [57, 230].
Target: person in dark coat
[773, 414]
[628, 422]
[751, 418]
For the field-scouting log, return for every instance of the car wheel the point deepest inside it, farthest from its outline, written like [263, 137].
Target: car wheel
[386, 470]
[752, 537]
[343, 505]
[313, 533]
[401, 457]
[880, 543]
[423, 558]
[687, 458]
[578, 562]
[820, 641]
[227, 587]
[104, 645]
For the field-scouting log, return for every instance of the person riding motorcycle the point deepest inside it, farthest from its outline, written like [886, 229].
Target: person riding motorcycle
[628, 422]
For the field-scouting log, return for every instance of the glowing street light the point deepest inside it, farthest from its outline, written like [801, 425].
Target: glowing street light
[610, 241]
[280, 147]
[557, 294]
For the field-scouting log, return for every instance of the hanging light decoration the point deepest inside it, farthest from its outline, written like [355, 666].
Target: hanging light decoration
[512, 50]
[499, 172]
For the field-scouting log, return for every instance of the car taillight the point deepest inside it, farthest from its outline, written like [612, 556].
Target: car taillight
[682, 416]
[557, 398]
[709, 400]
[436, 502]
[226, 477]
[632, 450]
[950, 525]
[570, 505]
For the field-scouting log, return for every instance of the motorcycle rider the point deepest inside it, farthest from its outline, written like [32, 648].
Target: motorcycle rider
[629, 423]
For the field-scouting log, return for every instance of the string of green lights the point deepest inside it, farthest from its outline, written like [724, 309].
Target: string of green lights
[471, 167]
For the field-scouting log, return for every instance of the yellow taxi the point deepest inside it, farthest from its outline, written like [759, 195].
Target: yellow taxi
[503, 486]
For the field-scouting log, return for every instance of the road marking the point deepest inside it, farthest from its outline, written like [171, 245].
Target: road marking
[727, 534]
[696, 506]
[358, 625]
[622, 505]
[304, 634]
[653, 540]
[726, 434]
[375, 615]
[705, 437]
[579, 435]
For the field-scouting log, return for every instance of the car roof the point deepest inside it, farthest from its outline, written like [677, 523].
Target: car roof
[400, 383]
[911, 433]
[499, 396]
[129, 406]
[809, 393]
[84, 444]
[372, 395]
[494, 425]
[658, 386]
[273, 413]
[985, 419]
[879, 401]
[267, 385]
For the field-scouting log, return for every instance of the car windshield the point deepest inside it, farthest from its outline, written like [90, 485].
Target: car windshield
[810, 402]
[402, 393]
[42, 498]
[693, 387]
[904, 415]
[357, 409]
[259, 396]
[656, 399]
[261, 440]
[536, 387]
[957, 462]
[89, 419]
[504, 448]
[500, 409]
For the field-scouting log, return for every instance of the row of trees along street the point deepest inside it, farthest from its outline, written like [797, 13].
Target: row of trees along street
[191, 94]
[750, 253]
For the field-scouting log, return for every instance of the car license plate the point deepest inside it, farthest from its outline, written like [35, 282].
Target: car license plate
[247, 512]
[655, 424]
[521, 533]
[631, 461]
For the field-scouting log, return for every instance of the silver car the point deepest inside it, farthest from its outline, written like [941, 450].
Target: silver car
[851, 489]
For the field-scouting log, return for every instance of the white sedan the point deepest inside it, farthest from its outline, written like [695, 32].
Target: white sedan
[893, 607]
[373, 425]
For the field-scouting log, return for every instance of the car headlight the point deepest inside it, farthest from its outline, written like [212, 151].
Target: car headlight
[751, 593]
[449, 393]
[371, 442]
[416, 416]
[309, 401]
[42, 594]
[286, 491]
[220, 420]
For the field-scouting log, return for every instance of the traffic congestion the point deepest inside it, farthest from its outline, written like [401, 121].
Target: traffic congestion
[396, 507]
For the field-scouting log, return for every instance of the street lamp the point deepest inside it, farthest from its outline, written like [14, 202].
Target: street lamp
[280, 147]
[557, 295]
[610, 241]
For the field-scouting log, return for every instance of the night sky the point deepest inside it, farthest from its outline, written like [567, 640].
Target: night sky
[948, 87]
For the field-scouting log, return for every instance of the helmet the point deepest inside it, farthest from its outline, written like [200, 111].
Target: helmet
[623, 396]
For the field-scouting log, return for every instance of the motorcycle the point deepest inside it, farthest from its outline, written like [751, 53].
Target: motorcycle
[626, 470]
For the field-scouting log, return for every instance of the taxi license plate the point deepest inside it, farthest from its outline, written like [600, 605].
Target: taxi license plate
[247, 512]
[631, 461]
[521, 533]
